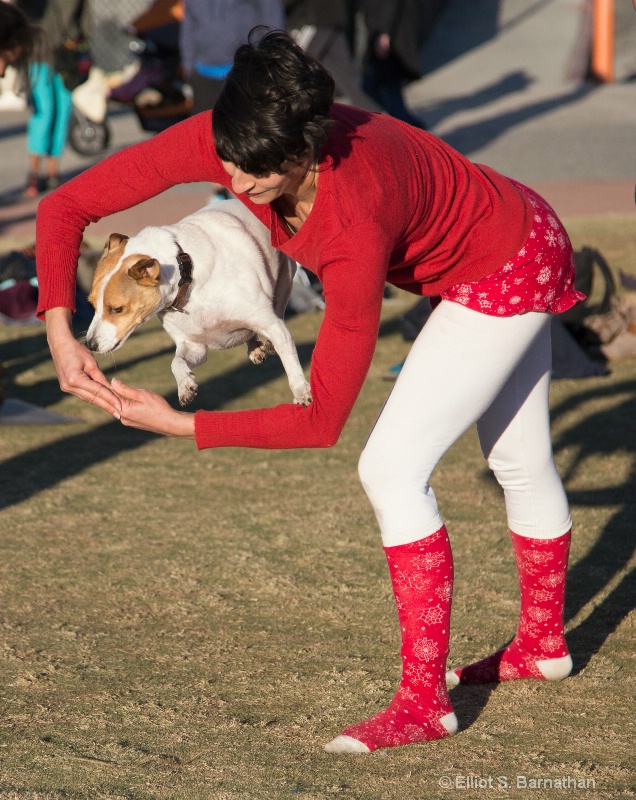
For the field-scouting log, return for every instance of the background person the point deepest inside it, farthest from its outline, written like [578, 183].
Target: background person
[320, 27]
[494, 255]
[51, 102]
[396, 30]
[209, 34]
[211, 31]
[18, 43]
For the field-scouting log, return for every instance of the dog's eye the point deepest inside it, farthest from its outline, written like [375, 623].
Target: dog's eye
[115, 310]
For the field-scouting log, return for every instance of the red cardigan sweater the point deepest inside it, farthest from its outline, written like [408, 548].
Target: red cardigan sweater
[394, 204]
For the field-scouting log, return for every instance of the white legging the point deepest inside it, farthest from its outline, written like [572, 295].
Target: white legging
[468, 367]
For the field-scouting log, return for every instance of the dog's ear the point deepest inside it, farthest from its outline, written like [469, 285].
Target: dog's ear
[146, 272]
[114, 240]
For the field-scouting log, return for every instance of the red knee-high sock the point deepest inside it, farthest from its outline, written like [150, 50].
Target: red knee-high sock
[422, 577]
[538, 649]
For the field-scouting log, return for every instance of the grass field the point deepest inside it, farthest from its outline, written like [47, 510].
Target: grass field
[193, 625]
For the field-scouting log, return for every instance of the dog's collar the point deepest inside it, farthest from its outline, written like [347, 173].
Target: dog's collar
[184, 263]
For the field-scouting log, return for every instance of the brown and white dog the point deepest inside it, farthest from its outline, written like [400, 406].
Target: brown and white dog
[214, 281]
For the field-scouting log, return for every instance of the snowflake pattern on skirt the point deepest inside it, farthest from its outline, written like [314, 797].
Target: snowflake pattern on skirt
[539, 278]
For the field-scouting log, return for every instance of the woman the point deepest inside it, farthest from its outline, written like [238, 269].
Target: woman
[321, 176]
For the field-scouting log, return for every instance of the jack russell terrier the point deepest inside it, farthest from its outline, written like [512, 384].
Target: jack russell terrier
[214, 281]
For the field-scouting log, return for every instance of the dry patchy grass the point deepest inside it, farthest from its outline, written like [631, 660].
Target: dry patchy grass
[196, 625]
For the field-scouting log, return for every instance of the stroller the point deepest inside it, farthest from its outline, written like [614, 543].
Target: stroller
[157, 91]
[89, 132]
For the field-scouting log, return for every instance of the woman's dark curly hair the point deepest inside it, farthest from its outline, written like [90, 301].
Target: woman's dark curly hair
[17, 32]
[274, 106]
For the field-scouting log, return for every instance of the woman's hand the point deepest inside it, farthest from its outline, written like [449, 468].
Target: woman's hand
[79, 374]
[76, 368]
[150, 412]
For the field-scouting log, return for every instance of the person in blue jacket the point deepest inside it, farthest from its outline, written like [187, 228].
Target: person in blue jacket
[210, 33]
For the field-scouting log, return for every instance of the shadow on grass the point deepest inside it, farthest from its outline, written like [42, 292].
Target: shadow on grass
[588, 637]
[469, 701]
[28, 352]
[584, 642]
[601, 433]
[25, 475]
[45, 466]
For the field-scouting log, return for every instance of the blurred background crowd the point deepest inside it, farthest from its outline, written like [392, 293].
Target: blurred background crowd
[167, 59]
[72, 63]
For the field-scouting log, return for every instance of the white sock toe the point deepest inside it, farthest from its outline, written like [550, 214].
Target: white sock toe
[449, 721]
[346, 744]
[555, 669]
[452, 679]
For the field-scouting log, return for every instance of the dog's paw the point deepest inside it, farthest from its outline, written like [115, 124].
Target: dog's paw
[188, 393]
[258, 352]
[258, 355]
[304, 397]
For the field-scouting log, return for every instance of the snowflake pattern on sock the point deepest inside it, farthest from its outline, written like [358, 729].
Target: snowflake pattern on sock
[417, 571]
[540, 563]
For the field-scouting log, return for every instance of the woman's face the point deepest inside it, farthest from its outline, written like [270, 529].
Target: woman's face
[8, 57]
[266, 188]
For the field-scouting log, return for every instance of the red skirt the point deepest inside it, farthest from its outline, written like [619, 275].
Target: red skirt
[539, 278]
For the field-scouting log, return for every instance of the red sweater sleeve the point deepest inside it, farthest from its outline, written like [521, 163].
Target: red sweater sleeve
[182, 154]
[353, 288]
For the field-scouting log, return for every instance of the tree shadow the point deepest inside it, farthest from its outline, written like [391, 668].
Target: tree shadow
[590, 635]
[463, 26]
[13, 197]
[515, 81]
[9, 131]
[12, 194]
[29, 351]
[24, 475]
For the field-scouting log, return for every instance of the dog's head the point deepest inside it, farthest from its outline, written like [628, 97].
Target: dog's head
[125, 293]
